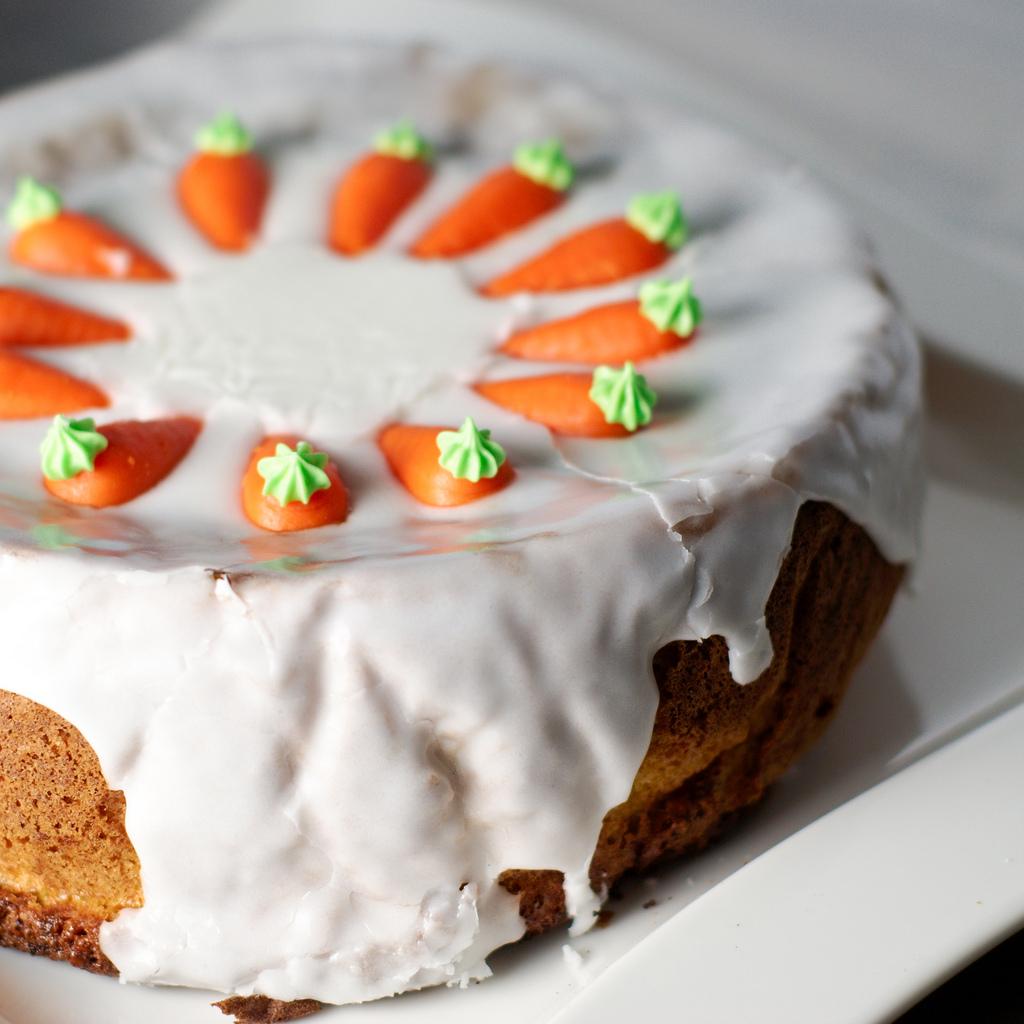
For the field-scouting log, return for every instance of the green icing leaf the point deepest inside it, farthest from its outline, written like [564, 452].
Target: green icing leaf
[225, 135]
[294, 474]
[658, 216]
[51, 537]
[671, 306]
[285, 564]
[32, 203]
[545, 163]
[403, 140]
[623, 396]
[70, 447]
[469, 453]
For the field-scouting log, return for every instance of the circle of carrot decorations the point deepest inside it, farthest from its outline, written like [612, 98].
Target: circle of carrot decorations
[30, 389]
[443, 467]
[502, 202]
[110, 465]
[289, 486]
[53, 240]
[375, 190]
[223, 187]
[663, 318]
[606, 403]
[30, 320]
[651, 230]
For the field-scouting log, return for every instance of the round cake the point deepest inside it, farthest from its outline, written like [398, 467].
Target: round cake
[429, 493]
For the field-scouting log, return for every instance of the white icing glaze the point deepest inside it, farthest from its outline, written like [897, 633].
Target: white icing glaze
[332, 748]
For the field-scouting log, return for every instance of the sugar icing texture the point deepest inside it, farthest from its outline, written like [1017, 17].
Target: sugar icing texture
[332, 743]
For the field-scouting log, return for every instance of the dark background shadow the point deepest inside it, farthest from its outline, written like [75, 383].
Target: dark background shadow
[975, 425]
[39, 38]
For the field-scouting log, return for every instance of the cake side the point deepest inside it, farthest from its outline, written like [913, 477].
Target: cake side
[66, 863]
[717, 746]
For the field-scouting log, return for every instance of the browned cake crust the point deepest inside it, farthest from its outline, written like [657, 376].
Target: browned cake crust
[66, 864]
[261, 1010]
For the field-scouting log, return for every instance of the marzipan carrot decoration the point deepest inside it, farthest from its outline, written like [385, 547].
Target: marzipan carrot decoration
[110, 465]
[31, 320]
[377, 188]
[53, 240]
[29, 389]
[652, 229]
[505, 200]
[288, 486]
[608, 403]
[443, 467]
[663, 318]
[223, 187]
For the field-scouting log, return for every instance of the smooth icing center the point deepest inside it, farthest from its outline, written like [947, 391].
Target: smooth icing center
[314, 342]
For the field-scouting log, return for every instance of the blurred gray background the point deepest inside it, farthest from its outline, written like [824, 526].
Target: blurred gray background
[39, 38]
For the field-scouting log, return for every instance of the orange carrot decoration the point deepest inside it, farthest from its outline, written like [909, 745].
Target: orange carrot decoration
[664, 317]
[605, 334]
[443, 467]
[115, 463]
[558, 401]
[29, 389]
[504, 201]
[377, 188]
[27, 319]
[651, 231]
[54, 241]
[607, 403]
[223, 187]
[287, 486]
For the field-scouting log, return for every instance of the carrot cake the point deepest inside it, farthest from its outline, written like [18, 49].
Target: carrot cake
[429, 490]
